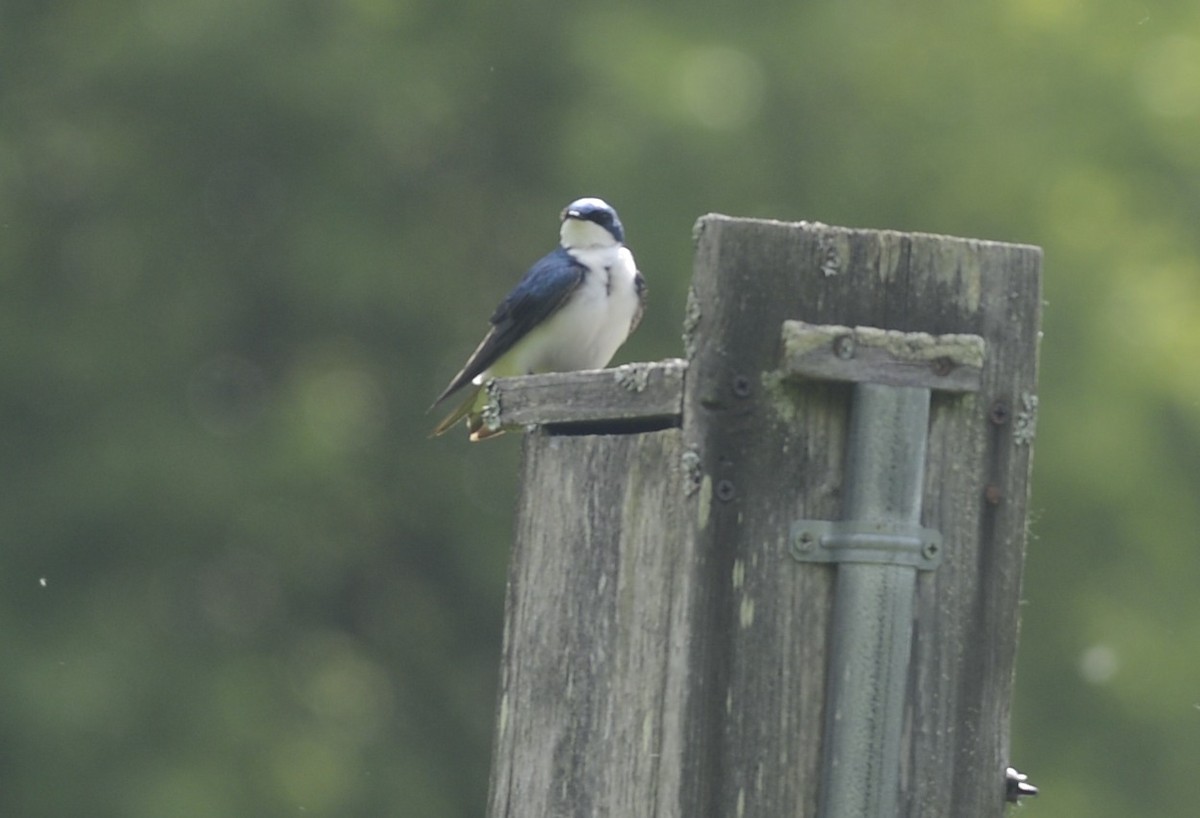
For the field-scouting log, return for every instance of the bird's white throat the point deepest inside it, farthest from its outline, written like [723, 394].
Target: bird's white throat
[579, 234]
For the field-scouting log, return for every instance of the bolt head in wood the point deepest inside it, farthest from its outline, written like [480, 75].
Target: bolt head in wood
[741, 386]
[725, 490]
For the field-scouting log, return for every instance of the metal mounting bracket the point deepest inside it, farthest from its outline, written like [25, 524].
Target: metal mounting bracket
[883, 543]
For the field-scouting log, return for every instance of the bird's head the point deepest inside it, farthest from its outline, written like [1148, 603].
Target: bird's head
[590, 222]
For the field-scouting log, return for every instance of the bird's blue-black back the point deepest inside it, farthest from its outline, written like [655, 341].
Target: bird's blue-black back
[538, 295]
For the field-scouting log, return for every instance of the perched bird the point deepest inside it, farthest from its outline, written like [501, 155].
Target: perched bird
[572, 310]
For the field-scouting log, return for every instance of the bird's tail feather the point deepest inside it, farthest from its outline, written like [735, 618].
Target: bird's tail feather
[462, 411]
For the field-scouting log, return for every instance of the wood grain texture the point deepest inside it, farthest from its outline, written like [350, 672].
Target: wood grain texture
[664, 655]
[779, 452]
[829, 352]
[594, 676]
[640, 391]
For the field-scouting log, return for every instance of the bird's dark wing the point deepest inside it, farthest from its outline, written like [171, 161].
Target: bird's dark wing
[543, 290]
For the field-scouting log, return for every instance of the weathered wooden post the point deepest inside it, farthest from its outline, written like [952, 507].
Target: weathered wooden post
[780, 577]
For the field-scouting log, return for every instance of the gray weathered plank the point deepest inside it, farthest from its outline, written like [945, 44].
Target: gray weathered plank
[593, 678]
[639, 391]
[829, 352]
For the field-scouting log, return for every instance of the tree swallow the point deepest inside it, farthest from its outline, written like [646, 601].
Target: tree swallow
[572, 310]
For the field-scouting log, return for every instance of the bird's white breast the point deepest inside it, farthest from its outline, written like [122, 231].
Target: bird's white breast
[585, 332]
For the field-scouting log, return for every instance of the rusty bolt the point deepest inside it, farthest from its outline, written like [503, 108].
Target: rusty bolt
[993, 494]
[999, 413]
[943, 366]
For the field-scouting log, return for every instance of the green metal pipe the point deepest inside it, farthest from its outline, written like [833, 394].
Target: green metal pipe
[873, 607]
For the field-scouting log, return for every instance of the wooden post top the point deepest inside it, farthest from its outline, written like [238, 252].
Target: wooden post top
[665, 655]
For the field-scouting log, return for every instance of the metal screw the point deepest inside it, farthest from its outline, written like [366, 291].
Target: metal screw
[805, 541]
[993, 494]
[741, 386]
[930, 550]
[943, 366]
[999, 413]
[725, 490]
[1017, 786]
[844, 347]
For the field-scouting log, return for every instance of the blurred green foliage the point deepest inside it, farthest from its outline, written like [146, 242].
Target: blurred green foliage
[242, 245]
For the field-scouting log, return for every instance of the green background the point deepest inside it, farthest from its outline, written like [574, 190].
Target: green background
[243, 244]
